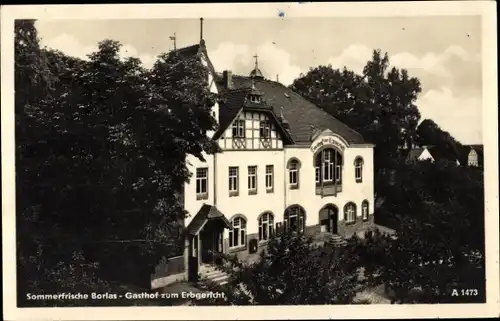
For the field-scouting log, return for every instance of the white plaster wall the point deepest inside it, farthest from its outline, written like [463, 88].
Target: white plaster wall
[191, 204]
[251, 206]
[351, 191]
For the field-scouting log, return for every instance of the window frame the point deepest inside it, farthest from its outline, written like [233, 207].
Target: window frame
[265, 126]
[350, 209]
[269, 177]
[293, 168]
[266, 226]
[202, 195]
[358, 166]
[365, 206]
[328, 165]
[234, 181]
[238, 232]
[295, 211]
[252, 180]
[238, 128]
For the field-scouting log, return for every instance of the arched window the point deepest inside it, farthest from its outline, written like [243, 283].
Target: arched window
[238, 234]
[293, 173]
[295, 219]
[365, 210]
[358, 169]
[266, 226]
[328, 166]
[350, 213]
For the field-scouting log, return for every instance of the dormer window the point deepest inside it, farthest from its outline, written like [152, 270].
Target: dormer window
[255, 99]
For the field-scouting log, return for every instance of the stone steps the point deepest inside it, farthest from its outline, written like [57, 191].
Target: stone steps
[336, 241]
[212, 274]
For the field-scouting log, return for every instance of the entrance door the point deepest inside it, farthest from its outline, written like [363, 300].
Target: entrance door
[329, 218]
[333, 218]
[211, 241]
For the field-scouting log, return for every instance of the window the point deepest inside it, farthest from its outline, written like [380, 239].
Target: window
[364, 210]
[269, 178]
[233, 181]
[237, 235]
[201, 183]
[295, 219]
[350, 212]
[254, 99]
[358, 169]
[266, 226]
[265, 129]
[239, 128]
[252, 180]
[293, 173]
[328, 167]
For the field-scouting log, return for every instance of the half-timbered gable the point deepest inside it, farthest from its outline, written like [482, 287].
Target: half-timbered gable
[251, 130]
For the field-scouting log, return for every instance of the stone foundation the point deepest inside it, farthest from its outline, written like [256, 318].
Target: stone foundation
[347, 230]
[343, 229]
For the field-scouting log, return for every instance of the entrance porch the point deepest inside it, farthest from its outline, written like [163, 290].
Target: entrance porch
[204, 240]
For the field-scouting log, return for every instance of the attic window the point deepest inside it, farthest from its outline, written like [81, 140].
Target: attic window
[255, 99]
[287, 95]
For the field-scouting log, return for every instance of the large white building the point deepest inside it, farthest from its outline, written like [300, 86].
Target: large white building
[285, 164]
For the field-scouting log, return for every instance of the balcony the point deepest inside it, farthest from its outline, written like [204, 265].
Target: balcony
[328, 189]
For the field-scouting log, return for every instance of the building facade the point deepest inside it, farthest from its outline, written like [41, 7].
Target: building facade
[285, 165]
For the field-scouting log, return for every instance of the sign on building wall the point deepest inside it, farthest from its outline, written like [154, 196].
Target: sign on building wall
[327, 141]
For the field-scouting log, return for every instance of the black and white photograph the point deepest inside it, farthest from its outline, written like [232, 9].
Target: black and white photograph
[265, 155]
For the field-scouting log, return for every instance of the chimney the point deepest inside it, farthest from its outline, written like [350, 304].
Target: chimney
[227, 76]
[201, 29]
[277, 78]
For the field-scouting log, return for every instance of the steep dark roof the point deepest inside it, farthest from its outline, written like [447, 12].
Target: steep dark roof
[189, 51]
[414, 154]
[477, 148]
[441, 154]
[300, 113]
[206, 212]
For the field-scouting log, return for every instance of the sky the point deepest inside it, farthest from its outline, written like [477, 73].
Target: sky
[444, 52]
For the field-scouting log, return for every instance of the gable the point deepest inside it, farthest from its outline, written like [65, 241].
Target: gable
[252, 124]
[425, 155]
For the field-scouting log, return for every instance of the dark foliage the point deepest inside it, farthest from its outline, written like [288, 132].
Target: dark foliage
[101, 150]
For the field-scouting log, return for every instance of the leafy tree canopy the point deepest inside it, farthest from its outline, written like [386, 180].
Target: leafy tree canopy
[101, 156]
[379, 104]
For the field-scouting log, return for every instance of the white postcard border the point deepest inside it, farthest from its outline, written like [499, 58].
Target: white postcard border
[486, 9]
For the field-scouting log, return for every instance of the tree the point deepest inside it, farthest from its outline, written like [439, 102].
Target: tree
[101, 159]
[439, 242]
[380, 104]
[293, 271]
[429, 133]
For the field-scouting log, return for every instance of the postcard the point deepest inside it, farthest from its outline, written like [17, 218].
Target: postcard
[250, 161]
